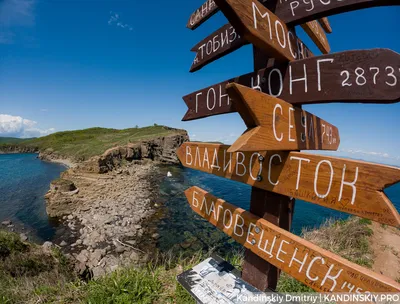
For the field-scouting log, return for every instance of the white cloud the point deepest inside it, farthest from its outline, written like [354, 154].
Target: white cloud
[16, 126]
[15, 13]
[371, 153]
[115, 20]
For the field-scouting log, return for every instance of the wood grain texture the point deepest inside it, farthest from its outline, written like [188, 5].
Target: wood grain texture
[319, 269]
[346, 185]
[274, 124]
[262, 28]
[325, 25]
[317, 34]
[220, 43]
[278, 210]
[322, 79]
[202, 14]
[295, 12]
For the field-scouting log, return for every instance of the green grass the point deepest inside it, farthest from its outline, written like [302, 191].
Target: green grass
[27, 275]
[347, 238]
[80, 145]
[12, 140]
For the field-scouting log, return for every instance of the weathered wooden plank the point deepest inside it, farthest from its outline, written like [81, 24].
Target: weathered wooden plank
[350, 186]
[317, 268]
[295, 12]
[365, 76]
[274, 124]
[262, 28]
[325, 24]
[220, 43]
[202, 14]
[317, 34]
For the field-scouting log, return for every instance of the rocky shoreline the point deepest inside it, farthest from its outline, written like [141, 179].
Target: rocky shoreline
[103, 204]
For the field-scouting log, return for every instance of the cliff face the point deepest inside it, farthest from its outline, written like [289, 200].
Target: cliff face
[160, 149]
[4, 149]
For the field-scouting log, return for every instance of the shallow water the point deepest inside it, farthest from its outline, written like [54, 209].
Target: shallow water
[24, 180]
[183, 228]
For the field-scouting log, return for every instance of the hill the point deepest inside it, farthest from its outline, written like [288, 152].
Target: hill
[12, 140]
[83, 144]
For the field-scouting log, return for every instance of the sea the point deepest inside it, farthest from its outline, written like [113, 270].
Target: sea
[25, 179]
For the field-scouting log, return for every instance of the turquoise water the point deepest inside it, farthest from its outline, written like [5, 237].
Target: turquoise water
[182, 225]
[24, 180]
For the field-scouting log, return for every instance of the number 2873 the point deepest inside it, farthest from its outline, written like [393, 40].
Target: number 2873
[361, 76]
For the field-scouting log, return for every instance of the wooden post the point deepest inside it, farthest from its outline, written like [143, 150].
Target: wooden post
[275, 208]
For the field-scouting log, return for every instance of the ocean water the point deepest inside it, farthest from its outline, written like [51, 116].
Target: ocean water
[182, 226]
[24, 180]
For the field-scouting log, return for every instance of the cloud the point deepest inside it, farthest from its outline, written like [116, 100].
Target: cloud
[16, 126]
[115, 20]
[13, 14]
[371, 153]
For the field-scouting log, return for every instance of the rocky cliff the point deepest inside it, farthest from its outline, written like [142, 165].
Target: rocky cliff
[160, 149]
[17, 149]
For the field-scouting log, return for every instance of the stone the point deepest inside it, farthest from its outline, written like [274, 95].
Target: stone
[78, 242]
[120, 249]
[70, 217]
[98, 272]
[10, 226]
[83, 256]
[23, 237]
[6, 223]
[47, 246]
[131, 242]
[63, 244]
[134, 256]
[155, 236]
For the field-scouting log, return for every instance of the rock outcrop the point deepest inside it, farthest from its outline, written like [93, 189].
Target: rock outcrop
[5, 149]
[161, 149]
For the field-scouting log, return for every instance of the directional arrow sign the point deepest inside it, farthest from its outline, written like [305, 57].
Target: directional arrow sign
[296, 12]
[367, 76]
[218, 44]
[299, 11]
[208, 9]
[325, 24]
[317, 268]
[274, 124]
[346, 185]
[317, 34]
[262, 28]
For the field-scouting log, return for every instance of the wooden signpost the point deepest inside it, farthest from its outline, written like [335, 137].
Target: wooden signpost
[267, 157]
[274, 124]
[346, 185]
[295, 12]
[317, 268]
[325, 25]
[365, 76]
[218, 44]
[262, 28]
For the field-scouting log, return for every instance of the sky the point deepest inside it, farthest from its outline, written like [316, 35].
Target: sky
[71, 64]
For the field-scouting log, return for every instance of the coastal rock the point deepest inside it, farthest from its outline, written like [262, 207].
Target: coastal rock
[62, 185]
[161, 149]
[6, 223]
[47, 246]
[23, 237]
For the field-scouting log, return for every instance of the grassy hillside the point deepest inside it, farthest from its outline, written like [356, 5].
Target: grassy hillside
[83, 144]
[12, 140]
[27, 278]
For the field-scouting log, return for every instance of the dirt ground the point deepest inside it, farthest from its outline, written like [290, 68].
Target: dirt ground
[385, 243]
